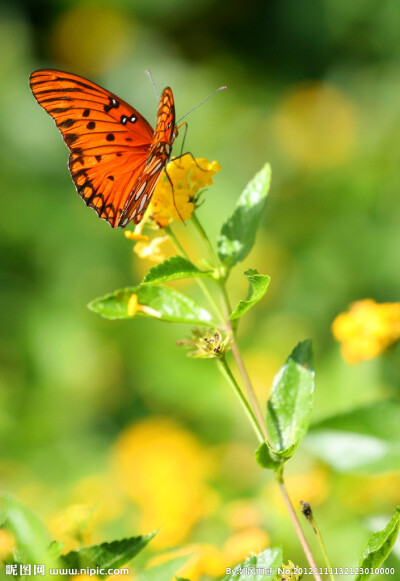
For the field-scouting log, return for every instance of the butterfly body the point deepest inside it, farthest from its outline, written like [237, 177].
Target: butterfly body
[116, 158]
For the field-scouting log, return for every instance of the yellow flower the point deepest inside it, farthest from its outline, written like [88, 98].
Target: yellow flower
[239, 546]
[136, 236]
[150, 250]
[202, 559]
[290, 572]
[134, 307]
[188, 176]
[367, 329]
[208, 345]
[7, 544]
[164, 469]
[73, 525]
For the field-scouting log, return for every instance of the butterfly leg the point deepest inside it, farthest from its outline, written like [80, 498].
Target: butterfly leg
[191, 155]
[173, 195]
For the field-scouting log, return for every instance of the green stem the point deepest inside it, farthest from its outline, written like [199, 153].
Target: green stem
[297, 526]
[205, 239]
[238, 392]
[241, 365]
[235, 349]
[253, 412]
[321, 543]
[200, 282]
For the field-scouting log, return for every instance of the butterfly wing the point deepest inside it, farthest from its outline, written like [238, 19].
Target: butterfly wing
[109, 141]
[159, 156]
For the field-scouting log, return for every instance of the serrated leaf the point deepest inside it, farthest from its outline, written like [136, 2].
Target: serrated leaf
[170, 304]
[107, 555]
[379, 546]
[239, 231]
[290, 403]
[266, 458]
[257, 288]
[164, 571]
[268, 560]
[366, 439]
[32, 538]
[173, 268]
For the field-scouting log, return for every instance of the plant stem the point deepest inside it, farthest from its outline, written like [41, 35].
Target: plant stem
[238, 392]
[253, 411]
[297, 526]
[235, 349]
[201, 284]
[205, 238]
[242, 367]
[313, 523]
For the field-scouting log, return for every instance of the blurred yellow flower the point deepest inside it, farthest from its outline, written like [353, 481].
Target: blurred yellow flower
[367, 330]
[239, 547]
[151, 250]
[203, 559]
[136, 236]
[242, 514]
[95, 48]
[100, 492]
[7, 543]
[316, 125]
[164, 469]
[312, 487]
[134, 307]
[73, 526]
[189, 176]
[207, 560]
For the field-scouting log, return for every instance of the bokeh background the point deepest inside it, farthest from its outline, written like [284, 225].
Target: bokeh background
[107, 429]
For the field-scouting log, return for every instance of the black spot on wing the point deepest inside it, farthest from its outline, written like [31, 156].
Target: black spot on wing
[66, 124]
[70, 138]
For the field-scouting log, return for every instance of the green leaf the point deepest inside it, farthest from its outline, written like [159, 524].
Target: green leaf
[266, 457]
[32, 538]
[366, 439]
[257, 289]
[171, 305]
[107, 555]
[266, 563]
[174, 268]
[290, 404]
[379, 546]
[239, 231]
[163, 572]
[181, 579]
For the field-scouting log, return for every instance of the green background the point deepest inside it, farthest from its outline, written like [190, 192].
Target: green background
[313, 88]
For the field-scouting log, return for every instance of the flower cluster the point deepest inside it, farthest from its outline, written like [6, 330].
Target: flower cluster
[188, 176]
[207, 345]
[367, 330]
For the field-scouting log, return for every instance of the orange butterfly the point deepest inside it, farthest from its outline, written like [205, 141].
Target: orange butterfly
[116, 158]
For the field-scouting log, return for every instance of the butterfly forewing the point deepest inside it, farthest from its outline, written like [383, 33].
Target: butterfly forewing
[112, 146]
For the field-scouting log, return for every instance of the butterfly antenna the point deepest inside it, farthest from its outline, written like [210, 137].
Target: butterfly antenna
[201, 103]
[153, 83]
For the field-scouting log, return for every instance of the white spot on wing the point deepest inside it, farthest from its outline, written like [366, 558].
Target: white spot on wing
[140, 191]
[142, 203]
[156, 167]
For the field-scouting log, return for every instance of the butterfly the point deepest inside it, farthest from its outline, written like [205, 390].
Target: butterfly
[116, 158]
